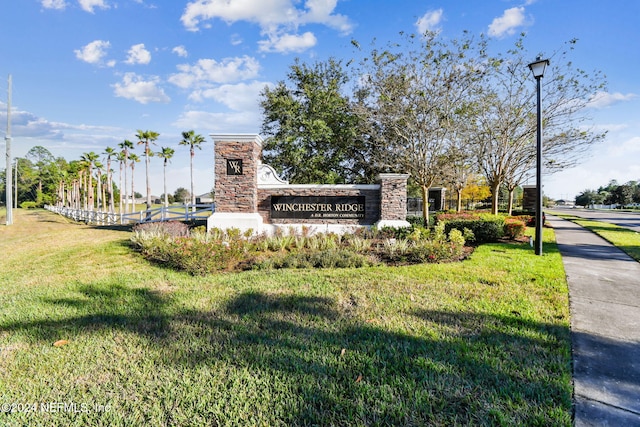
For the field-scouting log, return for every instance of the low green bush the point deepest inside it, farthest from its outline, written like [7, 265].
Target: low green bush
[28, 205]
[483, 230]
[333, 258]
[440, 246]
[197, 257]
[434, 251]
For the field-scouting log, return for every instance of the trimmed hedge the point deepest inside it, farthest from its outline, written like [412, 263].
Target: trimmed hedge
[485, 230]
[514, 227]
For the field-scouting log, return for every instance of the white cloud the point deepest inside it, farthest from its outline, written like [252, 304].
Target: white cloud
[508, 22]
[94, 53]
[89, 5]
[626, 148]
[429, 21]
[208, 71]
[239, 97]
[27, 125]
[54, 4]
[236, 122]
[138, 55]
[236, 39]
[34, 130]
[141, 90]
[605, 99]
[288, 43]
[181, 51]
[266, 13]
[275, 17]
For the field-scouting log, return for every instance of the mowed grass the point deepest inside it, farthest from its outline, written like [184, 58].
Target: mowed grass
[623, 238]
[482, 342]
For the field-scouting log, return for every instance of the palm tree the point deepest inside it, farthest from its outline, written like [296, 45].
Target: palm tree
[166, 154]
[126, 146]
[110, 153]
[193, 140]
[134, 159]
[90, 159]
[99, 187]
[147, 137]
[120, 159]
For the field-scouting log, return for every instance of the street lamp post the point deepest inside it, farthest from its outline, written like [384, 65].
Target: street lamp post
[537, 68]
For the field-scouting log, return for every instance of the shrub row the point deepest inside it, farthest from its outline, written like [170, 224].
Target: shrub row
[485, 228]
[199, 252]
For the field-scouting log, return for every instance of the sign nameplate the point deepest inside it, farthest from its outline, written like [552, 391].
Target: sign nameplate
[318, 207]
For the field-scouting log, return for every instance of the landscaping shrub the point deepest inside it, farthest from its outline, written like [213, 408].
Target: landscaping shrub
[485, 229]
[357, 244]
[333, 258]
[458, 216]
[28, 205]
[396, 249]
[432, 251]
[439, 247]
[200, 252]
[200, 258]
[514, 228]
[165, 228]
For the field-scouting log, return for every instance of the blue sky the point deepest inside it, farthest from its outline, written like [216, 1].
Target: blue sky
[88, 73]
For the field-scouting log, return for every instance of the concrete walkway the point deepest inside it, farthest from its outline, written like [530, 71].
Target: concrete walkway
[604, 299]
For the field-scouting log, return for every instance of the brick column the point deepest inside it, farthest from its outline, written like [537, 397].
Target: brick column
[236, 170]
[393, 200]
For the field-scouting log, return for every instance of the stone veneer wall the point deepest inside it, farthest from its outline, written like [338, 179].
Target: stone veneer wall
[237, 193]
[393, 196]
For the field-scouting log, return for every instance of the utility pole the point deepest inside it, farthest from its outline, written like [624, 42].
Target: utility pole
[8, 170]
[15, 181]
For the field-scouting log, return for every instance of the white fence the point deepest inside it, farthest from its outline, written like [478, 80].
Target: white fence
[171, 213]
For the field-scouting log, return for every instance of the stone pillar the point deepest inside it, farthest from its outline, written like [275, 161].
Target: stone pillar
[529, 198]
[237, 157]
[393, 200]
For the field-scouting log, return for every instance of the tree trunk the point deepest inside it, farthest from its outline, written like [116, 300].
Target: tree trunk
[146, 164]
[193, 195]
[99, 197]
[495, 195]
[133, 193]
[166, 197]
[510, 204]
[459, 200]
[91, 199]
[425, 205]
[110, 185]
[122, 189]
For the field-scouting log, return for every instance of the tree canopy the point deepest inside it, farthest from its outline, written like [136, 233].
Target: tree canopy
[312, 133]
[439, 109]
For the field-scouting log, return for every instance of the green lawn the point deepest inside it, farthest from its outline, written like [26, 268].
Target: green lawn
[623, 238]
[482, 342]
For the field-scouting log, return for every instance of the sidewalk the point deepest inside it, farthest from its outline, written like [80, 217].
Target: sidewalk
[604, 299]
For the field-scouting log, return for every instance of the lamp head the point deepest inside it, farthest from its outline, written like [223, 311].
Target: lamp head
[538, 66]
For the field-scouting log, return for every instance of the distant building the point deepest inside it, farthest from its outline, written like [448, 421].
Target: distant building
[204, 198]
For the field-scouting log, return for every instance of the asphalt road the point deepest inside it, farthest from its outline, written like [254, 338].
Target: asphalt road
[623, 219]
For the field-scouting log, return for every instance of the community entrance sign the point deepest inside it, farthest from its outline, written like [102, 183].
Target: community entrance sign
[250, 195]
